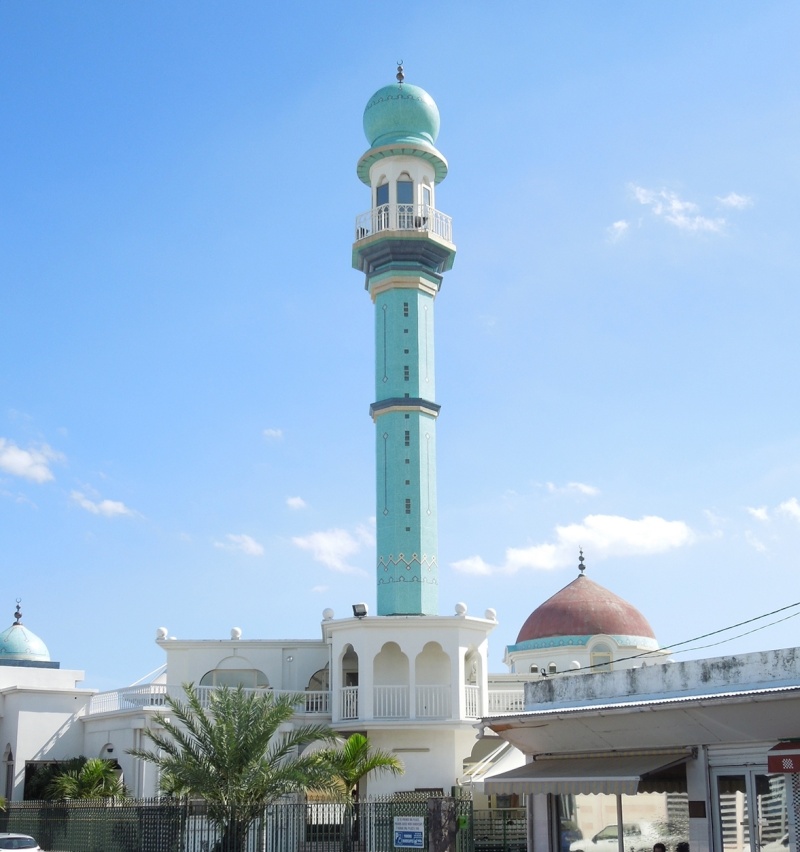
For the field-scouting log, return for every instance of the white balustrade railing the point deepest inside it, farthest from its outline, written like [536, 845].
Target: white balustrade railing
[349, 706]
[506, 701]
[390, 702]
[433, 702]
[472, 701]
[154, 695]
[404, 217]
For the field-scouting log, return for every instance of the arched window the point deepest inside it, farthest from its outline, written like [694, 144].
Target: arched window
[405, 189]
[381, 213]
[405, 202]
[600, 657]
[427, 207]
[247, 678]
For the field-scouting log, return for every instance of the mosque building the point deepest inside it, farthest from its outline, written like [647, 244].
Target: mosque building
[414, 680]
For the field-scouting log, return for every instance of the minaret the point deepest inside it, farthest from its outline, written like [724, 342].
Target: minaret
[403, 245]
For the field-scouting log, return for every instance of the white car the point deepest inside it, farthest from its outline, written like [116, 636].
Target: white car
[606, 839]
[18, 841]
[636, 837]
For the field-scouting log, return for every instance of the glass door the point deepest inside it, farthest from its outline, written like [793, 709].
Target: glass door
[750, 811]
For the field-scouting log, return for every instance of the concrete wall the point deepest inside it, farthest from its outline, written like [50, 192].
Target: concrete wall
[715, 674]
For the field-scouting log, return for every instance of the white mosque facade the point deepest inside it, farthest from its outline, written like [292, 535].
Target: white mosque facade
[414, 680]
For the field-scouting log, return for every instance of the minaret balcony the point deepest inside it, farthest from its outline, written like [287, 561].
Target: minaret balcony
[404, 217]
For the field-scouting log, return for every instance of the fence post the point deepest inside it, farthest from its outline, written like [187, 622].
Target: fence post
[442, 824]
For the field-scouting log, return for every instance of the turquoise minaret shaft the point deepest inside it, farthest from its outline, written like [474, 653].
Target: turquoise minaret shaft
[403, 245]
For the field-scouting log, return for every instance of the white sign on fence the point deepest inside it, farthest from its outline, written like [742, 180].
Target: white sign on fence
[409, 832]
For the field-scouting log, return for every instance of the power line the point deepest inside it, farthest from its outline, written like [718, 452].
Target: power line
[670, 648]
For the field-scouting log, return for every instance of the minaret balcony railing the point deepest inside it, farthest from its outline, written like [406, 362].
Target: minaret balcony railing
[404, 217]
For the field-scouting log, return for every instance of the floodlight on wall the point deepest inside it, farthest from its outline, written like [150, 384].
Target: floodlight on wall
[359, 610]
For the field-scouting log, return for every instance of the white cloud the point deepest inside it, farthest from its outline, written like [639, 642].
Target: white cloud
[599, 535]
[682, 214]
[243, 543]
[18, 498]
[473, 565]
[334, 548]
[296, 503]
[733, 199]
[319, 590]
[273, 434]
[107, 508]
[33, 464]
[760, 513]
[754, 541]
[791, 508]
[617, 230]
[573, 488]
[715, 519]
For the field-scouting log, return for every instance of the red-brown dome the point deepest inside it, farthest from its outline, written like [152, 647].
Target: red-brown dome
[584, 608]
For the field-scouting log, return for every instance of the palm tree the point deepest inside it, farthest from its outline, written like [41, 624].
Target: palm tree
[234, 754]
[355, 759]
[94, 778]
[348, 764]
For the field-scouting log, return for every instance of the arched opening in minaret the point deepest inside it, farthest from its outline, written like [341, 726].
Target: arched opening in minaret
[405, 202]
[391, 680]
[382, 203]
[349, 680]
[433, 686]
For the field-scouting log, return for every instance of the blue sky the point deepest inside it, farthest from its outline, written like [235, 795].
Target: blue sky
[186, 354]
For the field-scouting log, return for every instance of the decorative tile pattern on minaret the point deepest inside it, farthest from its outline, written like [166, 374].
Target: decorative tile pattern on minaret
[403, 245]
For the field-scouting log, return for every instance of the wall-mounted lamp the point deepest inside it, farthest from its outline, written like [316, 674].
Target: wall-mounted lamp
[359, 610]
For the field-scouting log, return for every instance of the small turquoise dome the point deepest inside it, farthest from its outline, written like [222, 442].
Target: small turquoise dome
[19, 643]
[401, 113]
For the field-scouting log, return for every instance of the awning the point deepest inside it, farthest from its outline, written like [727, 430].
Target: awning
[502, 759]
[608, 773]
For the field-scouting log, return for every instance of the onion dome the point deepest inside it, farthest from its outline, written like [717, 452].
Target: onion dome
[401, 112]
[401, 119]
[584, 608]
[19, 643]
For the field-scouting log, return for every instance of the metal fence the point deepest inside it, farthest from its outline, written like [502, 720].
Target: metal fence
[163, 825]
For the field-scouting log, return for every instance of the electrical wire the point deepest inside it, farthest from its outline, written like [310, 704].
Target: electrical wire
[670, 648]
